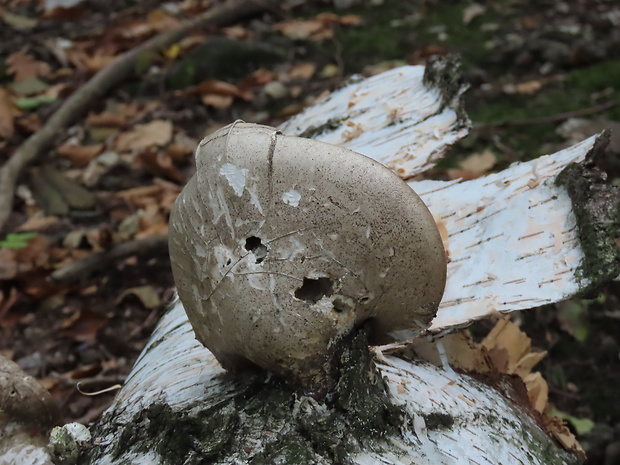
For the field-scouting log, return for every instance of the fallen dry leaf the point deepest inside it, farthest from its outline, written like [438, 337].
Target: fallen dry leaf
[8, 264]
[351, 20]
[159, 20]
[83, 326]
[90, 62]
[106, 119]
[147, 295]
[81, 372]
[159, 163]
[22, 66]
[528, 87]
[472, 11]
[19, 22]
[7, 300]
[237, 32]
[35, 254]
[155, 133]
[79, 155]
[53, 4]
[38, 223]
[474, 166]
[84, 238]
[259, 78]
[217, 101]
[215, 87]
[156, 21]
[304, 30]
[301, 71]
[182, 147]
[137, 195]
[8, 112]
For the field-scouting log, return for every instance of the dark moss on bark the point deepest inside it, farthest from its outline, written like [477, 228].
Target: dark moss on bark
[330, 125]
[596, 204]
[445, 74]
[438, 421]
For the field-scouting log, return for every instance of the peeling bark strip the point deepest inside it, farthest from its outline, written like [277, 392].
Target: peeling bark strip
[400, 118]
[512, 238]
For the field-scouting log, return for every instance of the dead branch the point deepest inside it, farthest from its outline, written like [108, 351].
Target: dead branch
[97, 261]
[227, 13]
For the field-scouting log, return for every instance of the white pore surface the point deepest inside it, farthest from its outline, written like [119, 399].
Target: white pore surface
[392, 118]
[511, 238]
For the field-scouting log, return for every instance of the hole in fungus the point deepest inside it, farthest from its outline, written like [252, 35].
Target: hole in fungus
[339, 305]
[254, 244]
[342, 304]
[313, 290]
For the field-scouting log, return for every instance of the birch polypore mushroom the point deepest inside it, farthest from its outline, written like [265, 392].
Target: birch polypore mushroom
[281, 246]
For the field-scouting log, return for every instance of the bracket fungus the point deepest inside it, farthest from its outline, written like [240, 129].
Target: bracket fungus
[281, 246]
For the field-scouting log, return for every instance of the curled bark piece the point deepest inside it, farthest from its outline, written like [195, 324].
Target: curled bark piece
[513, 238]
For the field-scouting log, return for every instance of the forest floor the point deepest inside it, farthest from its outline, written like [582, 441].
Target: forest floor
[543, 75]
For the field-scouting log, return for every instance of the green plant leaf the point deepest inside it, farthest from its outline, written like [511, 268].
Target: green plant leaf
[17, 241]
[30, 103]
[580, 425]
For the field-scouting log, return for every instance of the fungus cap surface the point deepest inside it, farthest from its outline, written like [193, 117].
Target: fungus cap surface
[281, 246]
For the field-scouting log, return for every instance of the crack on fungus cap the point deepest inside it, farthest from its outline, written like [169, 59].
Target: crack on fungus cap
[282, 246]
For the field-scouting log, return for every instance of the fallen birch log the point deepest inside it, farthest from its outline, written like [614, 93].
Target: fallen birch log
[513, 242]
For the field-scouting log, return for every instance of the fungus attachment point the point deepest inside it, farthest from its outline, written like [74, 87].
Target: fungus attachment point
[304, 275]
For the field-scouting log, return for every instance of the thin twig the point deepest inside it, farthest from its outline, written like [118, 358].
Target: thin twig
[97, 261]
[230, 12]
[553, 118]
